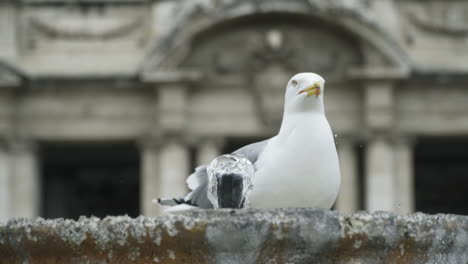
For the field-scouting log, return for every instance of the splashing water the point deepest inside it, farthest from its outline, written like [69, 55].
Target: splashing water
[228, 164]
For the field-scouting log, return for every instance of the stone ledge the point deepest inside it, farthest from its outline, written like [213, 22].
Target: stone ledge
[242, 236]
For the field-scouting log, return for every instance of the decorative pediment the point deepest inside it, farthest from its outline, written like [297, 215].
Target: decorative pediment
[246, 50]
[193, 18]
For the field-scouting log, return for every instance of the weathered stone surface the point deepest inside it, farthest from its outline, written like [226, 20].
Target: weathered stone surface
[243, 236]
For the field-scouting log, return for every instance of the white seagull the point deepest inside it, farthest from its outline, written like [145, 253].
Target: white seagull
[296, 168]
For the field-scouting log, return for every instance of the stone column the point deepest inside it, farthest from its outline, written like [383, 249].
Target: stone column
[347, 201]
[404, 176]
[380, 185]
[4, 183]
[25, 182]
[207, 150]
[174, 168]
[165, 165]
[164, 170]
[379, 161]
[150, 184]
[174, 152]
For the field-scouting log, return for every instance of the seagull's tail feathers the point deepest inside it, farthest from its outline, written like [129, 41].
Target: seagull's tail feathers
[171, 202]
[181, 208]
[198, 184]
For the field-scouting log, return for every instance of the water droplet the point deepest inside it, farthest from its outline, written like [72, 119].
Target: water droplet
[336, 135]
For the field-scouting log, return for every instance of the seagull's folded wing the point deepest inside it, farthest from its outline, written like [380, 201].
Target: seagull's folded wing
[199, 186]
[198, 180]
[253, 150]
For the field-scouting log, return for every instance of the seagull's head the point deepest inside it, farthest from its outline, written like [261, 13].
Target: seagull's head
[304, 93]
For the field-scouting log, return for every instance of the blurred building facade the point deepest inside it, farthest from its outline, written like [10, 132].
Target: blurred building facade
[108, 104]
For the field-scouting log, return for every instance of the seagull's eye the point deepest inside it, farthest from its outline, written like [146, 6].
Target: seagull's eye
[294, 82]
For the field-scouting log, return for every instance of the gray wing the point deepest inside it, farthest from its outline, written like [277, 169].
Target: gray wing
[252, 151]
[198, 181]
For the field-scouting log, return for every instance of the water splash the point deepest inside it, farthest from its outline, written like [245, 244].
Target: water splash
[228, 164]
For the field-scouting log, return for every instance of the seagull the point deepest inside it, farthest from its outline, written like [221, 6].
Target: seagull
[297, 168]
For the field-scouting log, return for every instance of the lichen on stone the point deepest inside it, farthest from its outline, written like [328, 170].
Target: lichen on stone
[241, 236]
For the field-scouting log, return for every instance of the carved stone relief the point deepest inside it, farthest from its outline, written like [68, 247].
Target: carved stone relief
[76, 25]
[192, 17]
[95, 28]
[444, 17]
[436, 33]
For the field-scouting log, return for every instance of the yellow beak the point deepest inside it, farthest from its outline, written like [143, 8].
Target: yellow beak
[311, 90]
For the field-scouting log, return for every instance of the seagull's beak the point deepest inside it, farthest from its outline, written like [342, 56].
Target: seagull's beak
[311, 90]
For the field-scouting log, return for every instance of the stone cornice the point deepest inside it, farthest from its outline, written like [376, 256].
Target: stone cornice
[378, 74]
[18, 144]
[157, 139]
[167, 77]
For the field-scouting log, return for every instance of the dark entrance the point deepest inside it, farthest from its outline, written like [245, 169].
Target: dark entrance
[441, 175]
[97, 179]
